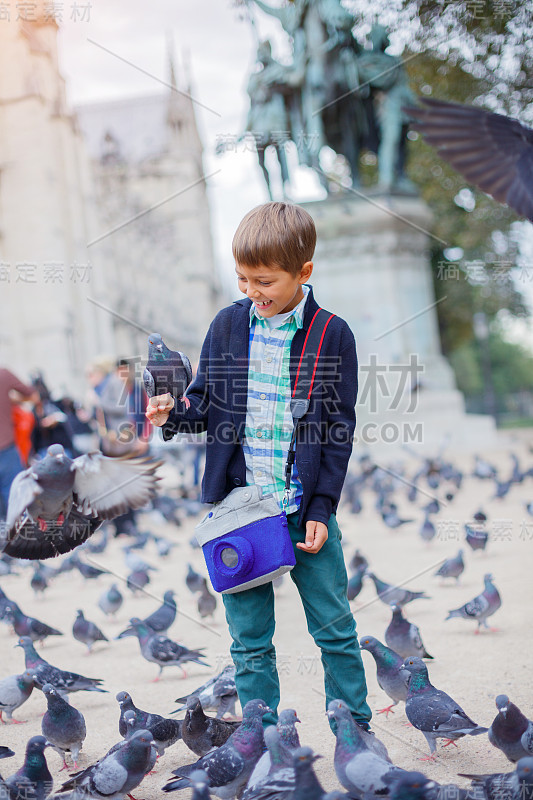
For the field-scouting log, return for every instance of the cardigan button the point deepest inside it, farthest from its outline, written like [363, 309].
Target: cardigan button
[237, 481]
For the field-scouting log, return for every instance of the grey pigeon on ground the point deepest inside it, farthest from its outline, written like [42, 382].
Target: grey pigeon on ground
[416, 786]
[432, 711]
[404, 637]
[63, 725]
[33, 780]
[517, 785]
[44, 672]
[87, 632]
[38, 580]
[359, 561]
[481, 607]
[136, 581]
[160, 620]
[111, 600]
[388, 664]
[116, 774]
[29, 626]
[163, 651]
[476, 538]
[286, 728]
[92, 486]
[396, 595]
[511, 731]
[359, 768]
[207, 602]
[307, 786]
[201, 733]
[355, 583]
[279, 781]
[166, 371]
[229, 767]
[165, 732]
[5, 752]
[14, 691]
[218, 694]
[452, 567]
[87, 571]
[194, 580]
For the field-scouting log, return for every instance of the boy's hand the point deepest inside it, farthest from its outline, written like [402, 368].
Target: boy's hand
[159, 407]
[316, 535]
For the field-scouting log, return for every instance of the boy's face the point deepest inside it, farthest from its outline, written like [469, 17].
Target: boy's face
[272, 289]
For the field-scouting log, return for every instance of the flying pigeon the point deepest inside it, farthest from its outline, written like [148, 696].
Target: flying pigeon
[163, 651]
[201, 733]
[452, 567]
[490, 150]
[433, 711]
[481, 607]
[165, 732]
[33, 780]
[160, 620]
[229, 767]
[63, 725]
[87, 632]
[511, 731]
[388, 665]
[396, 595]
[111, 600]
[63, 681]
[218, 694]
[58, 502]
[167, 371]
[14, 691]
[404, 637]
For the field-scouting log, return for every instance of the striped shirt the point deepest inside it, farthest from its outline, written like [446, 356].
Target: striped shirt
[269, 422]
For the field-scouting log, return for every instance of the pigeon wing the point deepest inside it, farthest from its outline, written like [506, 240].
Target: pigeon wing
[476, 607]
[165, 649]
[23, 492]
[111, 486]
[109, 776]
[224, 765]
[187, 366]
[149, 383]
[31, 543]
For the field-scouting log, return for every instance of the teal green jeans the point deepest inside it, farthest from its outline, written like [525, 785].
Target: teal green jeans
[321, 581]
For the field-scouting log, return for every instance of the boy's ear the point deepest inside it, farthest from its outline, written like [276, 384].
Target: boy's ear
[305, 272]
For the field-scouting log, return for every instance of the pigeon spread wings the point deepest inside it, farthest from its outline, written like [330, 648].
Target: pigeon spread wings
[110, 486]
[23, 492]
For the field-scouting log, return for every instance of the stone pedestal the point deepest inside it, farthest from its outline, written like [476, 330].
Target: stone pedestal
[372, 269]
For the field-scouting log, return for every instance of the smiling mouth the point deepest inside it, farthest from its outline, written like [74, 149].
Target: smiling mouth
[263, 305]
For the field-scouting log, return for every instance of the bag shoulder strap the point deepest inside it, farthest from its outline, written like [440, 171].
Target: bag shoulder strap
[307, 366]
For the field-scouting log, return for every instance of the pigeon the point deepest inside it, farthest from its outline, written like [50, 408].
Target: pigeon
[511, 731]
[167, 371]
[44, 496]
[358, 561]
[359, 768]
[432, 711]
[63, 725]
[135, 563]
[98, 544]
[388, 665]
[390, 517]
[64, 681]
[452, 567]
[517, 785]
[5, 752]
[355, 583]
[404, 637]
[306, 784]
[29, 626]
[163, 651]
[33, 780]
[396, 595]
[116, 774]
[5, 602]
[286, 728]
[490, 150]
[207, 602]
[428, 530]
[87, 632]
[38, 581]
[111, 600]
[163, 546]
[136, 581]
[279, 780]
[218, 694]
[194, 581]
[229, 767]
[201, 733]
[415, 786]
[476, 538]
[161, 619]
[165, 732]
[481, 607]
[14, 691]
[87, 571]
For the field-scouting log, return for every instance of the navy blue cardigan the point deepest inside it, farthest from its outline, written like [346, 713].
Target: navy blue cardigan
[218, 397]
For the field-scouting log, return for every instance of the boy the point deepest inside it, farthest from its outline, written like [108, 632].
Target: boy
[241, 396]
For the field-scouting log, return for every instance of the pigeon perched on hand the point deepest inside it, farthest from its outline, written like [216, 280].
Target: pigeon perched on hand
[163, 651]
[511, 731]
[167, 371]
[388, 665]
[201, 733]
[87, 632]
[452, 567]
[481, 607]
[160, 620]
[57, 495]
[396, 595]
[404, 637]
[433, 711]
[63, 725]
[14, 691]
[43, 672]
[165, 732]
[33, 780]
[218, 694]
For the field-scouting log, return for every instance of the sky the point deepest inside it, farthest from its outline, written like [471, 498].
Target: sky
[111, 49]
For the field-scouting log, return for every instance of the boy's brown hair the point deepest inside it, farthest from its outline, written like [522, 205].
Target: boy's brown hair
[275, 235]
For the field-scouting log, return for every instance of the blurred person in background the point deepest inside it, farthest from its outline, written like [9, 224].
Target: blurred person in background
[51, 423]
[11, 389]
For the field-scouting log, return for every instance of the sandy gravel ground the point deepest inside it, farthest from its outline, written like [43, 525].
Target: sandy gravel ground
[473, 669]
